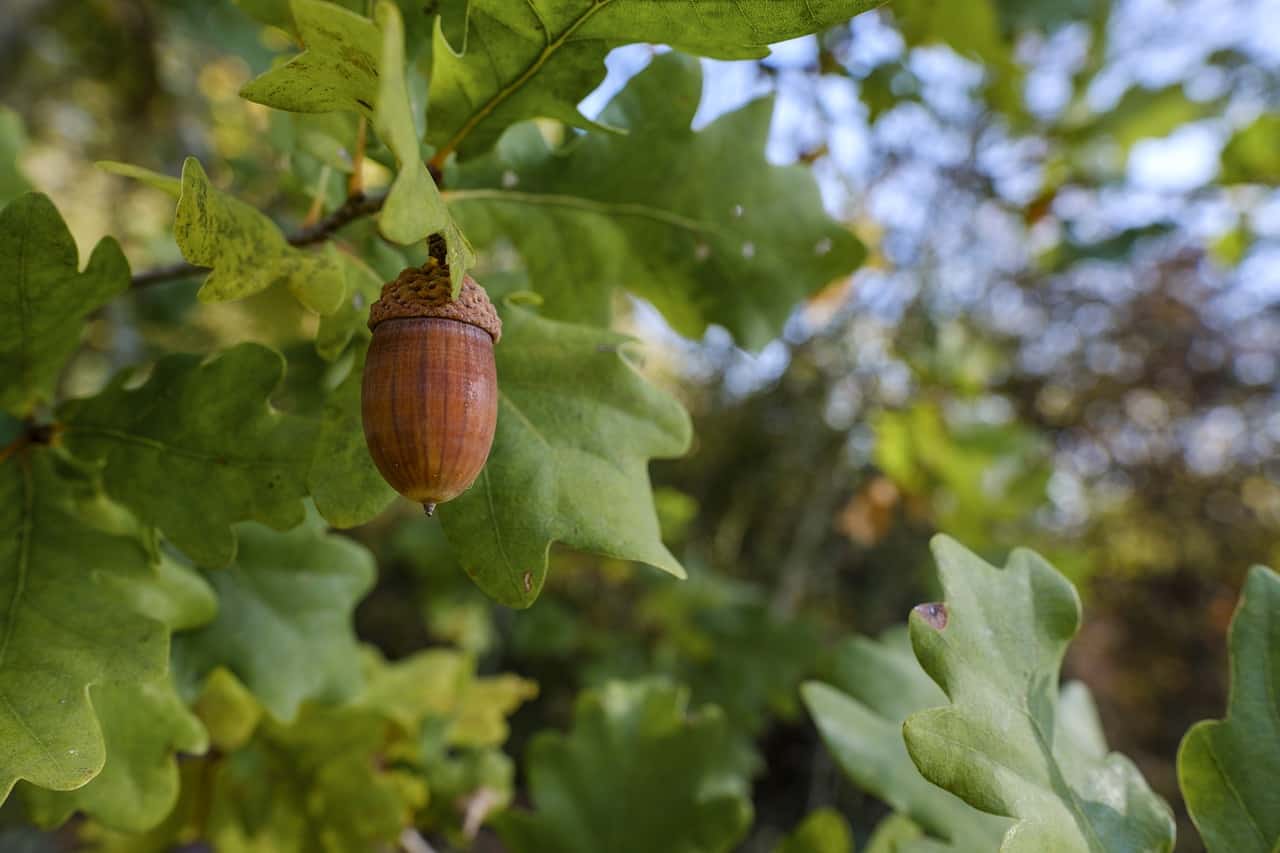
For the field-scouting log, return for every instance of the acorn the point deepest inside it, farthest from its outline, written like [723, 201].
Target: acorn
[429, 396]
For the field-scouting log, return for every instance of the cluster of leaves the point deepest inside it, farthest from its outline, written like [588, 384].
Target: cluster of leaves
[733, 241]
[170, 582]
[975, 746]
[170, 585]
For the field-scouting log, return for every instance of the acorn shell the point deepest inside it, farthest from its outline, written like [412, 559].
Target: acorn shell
[429, 396]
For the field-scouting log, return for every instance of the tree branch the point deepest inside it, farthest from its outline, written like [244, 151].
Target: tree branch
[355, 207]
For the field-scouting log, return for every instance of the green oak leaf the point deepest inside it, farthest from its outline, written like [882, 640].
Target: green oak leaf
[198, 447]
[897, 833]
[1140, 114]
[455, 723]
[64, 628]
[480, 716]
[877, 684]
[823, 831]
[725, 640]
[143, 725]
[338, 70]
[174, 594]
[639, 772]
[1251, 155]
[246, 250]
[44, 298]
[284, 617]
[13, 138]
[1228, 769]
[723, 237]
[408, 690]
[577, 425]
[443, 683]
[455, 19]
[347, 488]
[353, 63]
[321, 784]
[995, 648]
[227, 708]
[414, 207]
[350, 321]
[950, 464]
[182, 822]
[155, 180]
[972, 30]
[540, 58]
[463, 782]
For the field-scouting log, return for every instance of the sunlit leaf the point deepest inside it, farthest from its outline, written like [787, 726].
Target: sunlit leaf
[414, 207]
[341, 796]
[143, 726]
[228, 709]
[823, 831]
[246, 250]
[679, 791]
[1141, 114]
[976, 475]
[723, 237]
[353, 63]
[897, 833]
[1252, 155]
[539, 59]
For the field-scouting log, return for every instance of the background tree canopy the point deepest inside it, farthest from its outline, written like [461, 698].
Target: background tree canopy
[1006, 270]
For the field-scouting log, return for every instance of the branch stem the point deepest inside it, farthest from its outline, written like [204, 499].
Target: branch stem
[355, 207]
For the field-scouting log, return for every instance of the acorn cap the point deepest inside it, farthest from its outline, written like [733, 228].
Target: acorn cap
[426, 292]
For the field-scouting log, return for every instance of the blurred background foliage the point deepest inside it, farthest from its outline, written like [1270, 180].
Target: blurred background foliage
[1066, 336]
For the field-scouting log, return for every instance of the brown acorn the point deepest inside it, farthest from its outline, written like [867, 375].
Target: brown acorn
[429, 396]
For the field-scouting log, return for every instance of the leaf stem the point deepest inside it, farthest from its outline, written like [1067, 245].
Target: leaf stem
[496, 100]
[355, 184]
[13, 447]
[32, 434]
[317, 198]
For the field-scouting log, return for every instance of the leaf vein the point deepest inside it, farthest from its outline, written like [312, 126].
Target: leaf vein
[664, 217]
[189, 453]
[24, 557]
[515, 85]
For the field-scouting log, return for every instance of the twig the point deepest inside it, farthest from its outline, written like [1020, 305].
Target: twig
[12, 448]
[356, 207]
[32, 434]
